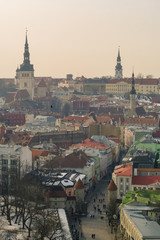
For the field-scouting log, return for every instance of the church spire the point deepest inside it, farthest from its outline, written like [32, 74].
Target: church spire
[26, 66]
[118, 68]
[133, 91]
[26, 52]
[118, 58]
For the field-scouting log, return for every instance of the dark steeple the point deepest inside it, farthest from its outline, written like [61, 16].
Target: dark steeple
[118, 68]
[133, 91]
[26, 66]
[118, 58]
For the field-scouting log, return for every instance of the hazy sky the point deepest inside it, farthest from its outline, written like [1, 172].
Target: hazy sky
[80, 36]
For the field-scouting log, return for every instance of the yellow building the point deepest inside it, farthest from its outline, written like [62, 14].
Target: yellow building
[122, 86]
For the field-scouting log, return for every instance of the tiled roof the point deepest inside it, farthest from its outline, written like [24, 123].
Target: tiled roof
[143, 81]
[10, 97]
[103, 119]
[124, 170]
[112, 186]
[79, 184]
[73, 160]
[38, 153]
[56, 192]
[145, 180]
[156, 134]
[22, 94]
[149, 169]
[92, 144]
[142, 121]
[42, 83]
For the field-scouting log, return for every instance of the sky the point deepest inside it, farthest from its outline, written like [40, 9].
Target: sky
[80, 37]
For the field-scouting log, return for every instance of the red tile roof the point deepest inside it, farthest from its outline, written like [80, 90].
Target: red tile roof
[156, 134]
[57, 192]
[145, 180]
[79, 184]
[149, 169]
[141, 121]
[124, 170]
[112, 186]
[104, 119]
[38, 153]
[92, 144]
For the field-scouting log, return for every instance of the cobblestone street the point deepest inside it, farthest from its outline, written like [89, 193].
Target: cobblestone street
[96, 222]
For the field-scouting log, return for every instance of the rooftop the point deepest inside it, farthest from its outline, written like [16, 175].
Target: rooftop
[148, 228]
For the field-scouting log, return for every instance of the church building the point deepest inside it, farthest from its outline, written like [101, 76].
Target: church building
[25, 73]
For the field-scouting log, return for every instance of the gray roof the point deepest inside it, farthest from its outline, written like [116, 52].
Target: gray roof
[104, 140]
[146, 226]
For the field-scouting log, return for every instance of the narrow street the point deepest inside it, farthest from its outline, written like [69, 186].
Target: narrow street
[96, 221]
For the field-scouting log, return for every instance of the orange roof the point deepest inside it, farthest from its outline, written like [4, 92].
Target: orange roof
[146, 120]
[38, 153]
[79, 184]
[92, 144]
[145, 180]
[103, 119]
[112, 186]
[124, 170]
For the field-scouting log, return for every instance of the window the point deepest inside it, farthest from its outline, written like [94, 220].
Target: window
[25, 84]
[4, 162]
[121, 180]
[127, 188]
[13, 162]
[69, 193]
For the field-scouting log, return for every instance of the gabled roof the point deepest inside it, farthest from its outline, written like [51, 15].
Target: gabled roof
[56, 192]
[42, 83]
[22, 94]
[79, 184]
[73, 160]
[10, 97]
[112, 186]
[145, 180]
[124, 170]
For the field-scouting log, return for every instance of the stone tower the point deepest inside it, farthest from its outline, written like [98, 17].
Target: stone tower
[112, 191]
[118, 68]
[133, 99]
[25, 74]
[79, 191]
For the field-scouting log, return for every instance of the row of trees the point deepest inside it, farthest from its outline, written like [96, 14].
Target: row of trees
[25, 205]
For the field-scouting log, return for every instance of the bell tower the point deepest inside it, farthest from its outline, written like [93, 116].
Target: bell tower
[118, 68]
[25, 73]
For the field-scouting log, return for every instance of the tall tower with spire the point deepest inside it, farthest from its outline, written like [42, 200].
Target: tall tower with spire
[25, 73]
[133, 99]
[118, 68]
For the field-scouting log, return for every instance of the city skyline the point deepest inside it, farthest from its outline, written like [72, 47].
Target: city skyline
[81, 37]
